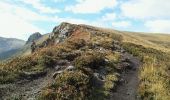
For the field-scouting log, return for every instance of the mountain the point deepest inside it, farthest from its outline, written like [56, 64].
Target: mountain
[89, 63]
[37, 38]
[34, 37]
[9, 46]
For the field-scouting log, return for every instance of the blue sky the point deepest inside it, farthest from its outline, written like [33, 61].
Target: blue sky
[20, 18]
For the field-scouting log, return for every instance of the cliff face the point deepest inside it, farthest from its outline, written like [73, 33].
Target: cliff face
[34, 37]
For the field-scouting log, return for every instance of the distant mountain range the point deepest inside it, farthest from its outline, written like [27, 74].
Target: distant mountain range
[9, 46]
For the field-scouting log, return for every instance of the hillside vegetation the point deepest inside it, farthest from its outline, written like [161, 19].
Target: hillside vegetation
[156, 41]
[153, 40]
[94, 59]
[87, 63]
[154, 73]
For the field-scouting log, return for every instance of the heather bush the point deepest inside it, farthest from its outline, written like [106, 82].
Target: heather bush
[92, 60]
[71, 85]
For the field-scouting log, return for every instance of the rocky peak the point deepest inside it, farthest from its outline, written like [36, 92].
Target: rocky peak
[64, 30]
[35, 36]
[64, 26]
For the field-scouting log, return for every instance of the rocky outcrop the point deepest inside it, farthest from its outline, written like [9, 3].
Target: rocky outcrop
[34, 37]
[64, 30]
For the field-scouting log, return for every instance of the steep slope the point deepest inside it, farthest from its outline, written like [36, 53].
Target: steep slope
[82, 58]
[85, 62]
[9, 46]
[34, 37]
[37, 38]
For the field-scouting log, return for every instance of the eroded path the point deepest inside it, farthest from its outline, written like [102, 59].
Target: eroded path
[29, 90]
[127, 90]
[25, 90]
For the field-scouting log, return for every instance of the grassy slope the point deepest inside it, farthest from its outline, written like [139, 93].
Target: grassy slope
[156, 41]
[154, 73]
[150, 72]
[153, 49]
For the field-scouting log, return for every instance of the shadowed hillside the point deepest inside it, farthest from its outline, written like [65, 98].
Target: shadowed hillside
[9, 46]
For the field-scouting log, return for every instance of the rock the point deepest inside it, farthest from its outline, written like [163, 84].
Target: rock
[33, 75]
[96, 81]
[128, 93]
[34, 37]
[62, 62]
[70, 68]
[122, 81]
[64, 30]
[123, 66]
[126, 65]
[117, 47]
[57, 67]
[122, 51]
[99, 76]
[57, 73]
[106, 60]
[125, 59]
[60, 69]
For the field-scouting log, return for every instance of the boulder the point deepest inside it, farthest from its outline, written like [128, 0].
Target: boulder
[57, 73]
[70, 68]
[32, 75]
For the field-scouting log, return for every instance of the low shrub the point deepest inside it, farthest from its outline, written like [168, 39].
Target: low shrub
[69, 85]
[75, 44]
[110, 82]
[7, 77]
[92, 60]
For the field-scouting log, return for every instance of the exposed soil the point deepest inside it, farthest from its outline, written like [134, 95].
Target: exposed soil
[26, 89]
[127, 90]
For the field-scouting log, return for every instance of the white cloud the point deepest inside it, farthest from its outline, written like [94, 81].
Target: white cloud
[146, 9]
[59, 1]
[97, 22]
[91, 6]
[121, 24]
[158, 26]
[15, 21]
[40, 6]
[109, 16]
[13, 26]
